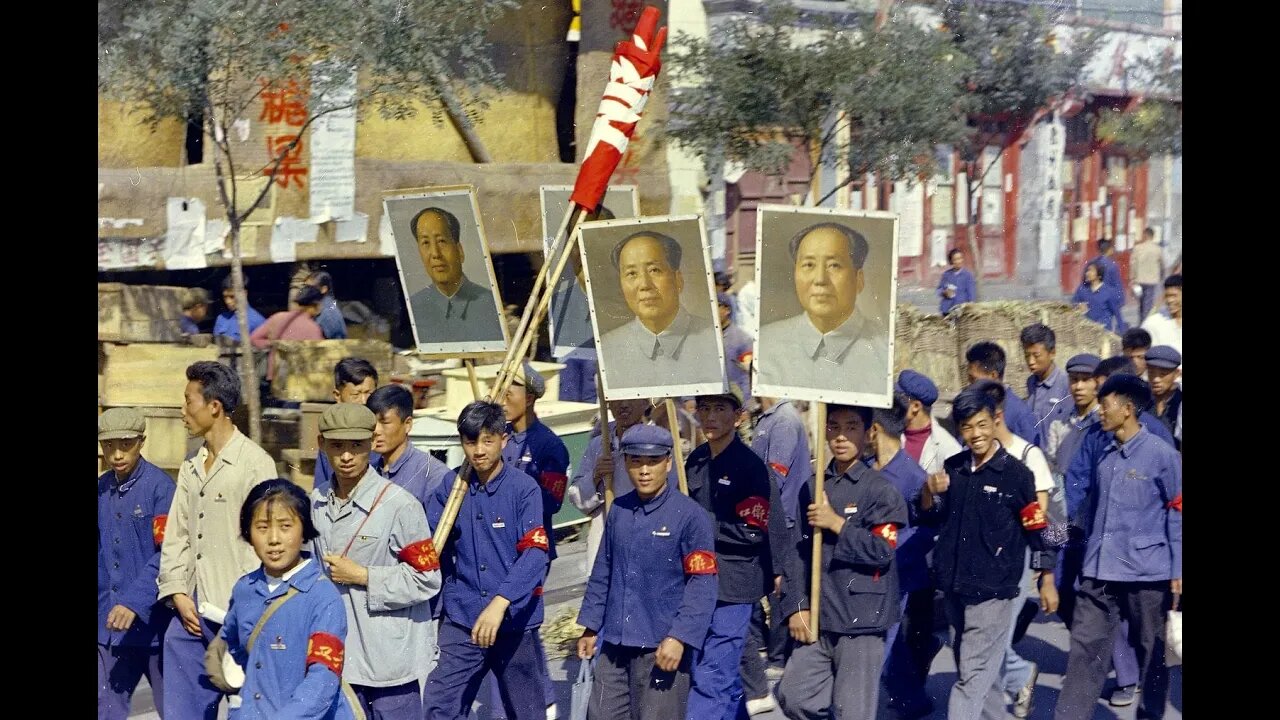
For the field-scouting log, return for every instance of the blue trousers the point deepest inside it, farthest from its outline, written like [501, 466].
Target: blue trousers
[119, 670]
[549, 690]
[716, 690]
[398, 702]
[453, 685]
[188, 695]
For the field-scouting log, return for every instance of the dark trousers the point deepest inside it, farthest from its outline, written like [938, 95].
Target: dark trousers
[911, 650]
[779, 637]
[119, 670]
[549, 690]
[188, 695]
[836, 677]
[453, 685]
[1099, 605]
[629, 686]
[397, 702]
[755, 684]
[1067, 577]
[1147, 301]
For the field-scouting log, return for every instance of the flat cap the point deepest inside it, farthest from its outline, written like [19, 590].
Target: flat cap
[347, 421]
[734, 396]
[646, 440]
[121, 422]
[1163, 356]
[1083, 363]
[918, 387]
[530, 379]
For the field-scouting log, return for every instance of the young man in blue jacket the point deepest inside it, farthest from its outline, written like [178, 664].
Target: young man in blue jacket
[133, 506]
[652, 590]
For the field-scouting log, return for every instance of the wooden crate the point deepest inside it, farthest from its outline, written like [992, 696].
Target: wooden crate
[148, 373]
[309, 426]
[139, 313]
[305, 367]
[300, 467]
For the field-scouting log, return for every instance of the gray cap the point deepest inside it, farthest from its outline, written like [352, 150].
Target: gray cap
[1163, 356]
[530, 379]
[646, 440]
[347, 421]
[121, 422]
[1083, 363]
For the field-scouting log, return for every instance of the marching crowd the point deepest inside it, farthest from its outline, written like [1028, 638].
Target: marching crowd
[336, 604]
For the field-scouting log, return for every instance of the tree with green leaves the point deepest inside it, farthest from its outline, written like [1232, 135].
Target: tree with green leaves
[1152, 124]
[213, 60]
[769, 84]
[1020, 67]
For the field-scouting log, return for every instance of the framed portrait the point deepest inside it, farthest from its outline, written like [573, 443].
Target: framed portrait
[445, 271]
[653, 307]
[570, 315]
[828, 284]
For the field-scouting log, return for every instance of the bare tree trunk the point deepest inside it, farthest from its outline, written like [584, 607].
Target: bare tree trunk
[248, 374]
[453, 108]
[971, 229]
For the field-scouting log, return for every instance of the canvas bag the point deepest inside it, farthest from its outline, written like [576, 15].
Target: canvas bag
[581, 691]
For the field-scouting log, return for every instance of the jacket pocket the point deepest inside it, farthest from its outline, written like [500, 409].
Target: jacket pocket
[860, 582]
[1150, 553]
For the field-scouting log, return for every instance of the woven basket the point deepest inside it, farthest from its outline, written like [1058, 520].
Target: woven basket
[926, 343]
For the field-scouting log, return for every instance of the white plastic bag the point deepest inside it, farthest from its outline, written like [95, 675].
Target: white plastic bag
[1173, 638]
[581, 691]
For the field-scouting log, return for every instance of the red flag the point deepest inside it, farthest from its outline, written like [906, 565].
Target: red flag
[631, 75]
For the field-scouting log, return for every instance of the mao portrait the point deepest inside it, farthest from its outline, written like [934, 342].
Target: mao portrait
[653, 307]
[826, 305]
[446, 273]
[570, 315]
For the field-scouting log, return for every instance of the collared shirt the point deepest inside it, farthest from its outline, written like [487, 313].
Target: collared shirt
[800, 356]
[1103, 305]
[294, 669]
[737, 357]
[1047, 396]
[1080, 476]
[908, 478]
[737, 491]
[1065, 436]
[470, 315]
[384, 529]
[228, 325]
[539, 453]
[685, 351]
[859, 574]
[962, 282]
[655, 576]
[781, 441]
[324, 471]
[131, 521]
[939, 446]
[1144, 263]
[987, 517]
[498, 546]
[1134, 514]
[418, 472]
[330, 319]
[203, 553]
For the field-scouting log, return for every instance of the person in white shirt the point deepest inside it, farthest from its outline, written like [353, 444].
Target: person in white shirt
[1165, 325]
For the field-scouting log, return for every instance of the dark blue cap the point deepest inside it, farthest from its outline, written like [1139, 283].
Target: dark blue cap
[1163, 356]
[646, 440]
[918, 387]
[1083, 363]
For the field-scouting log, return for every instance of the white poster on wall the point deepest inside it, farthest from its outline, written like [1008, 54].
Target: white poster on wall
[908, 201]
[1051, 226]
[333, 149]
[184, 237]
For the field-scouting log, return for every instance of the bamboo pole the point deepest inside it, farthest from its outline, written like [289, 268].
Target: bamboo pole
[459, 491]
[606, 443]
[507, 373]
[820, 453]
[471, 375]
[673, 422]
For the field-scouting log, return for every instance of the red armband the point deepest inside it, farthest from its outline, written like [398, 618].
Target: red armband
[326, 650]
[555, 483]
[889, 532]
[159, 522]
[1176, 503]
[1033, 517]
[783, 470]
[754, 511]
[420, 556]
[700, 562]
[535, 538]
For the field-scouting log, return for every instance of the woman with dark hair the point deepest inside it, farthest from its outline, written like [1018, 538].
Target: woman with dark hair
[286, 625]
[1099, 300]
